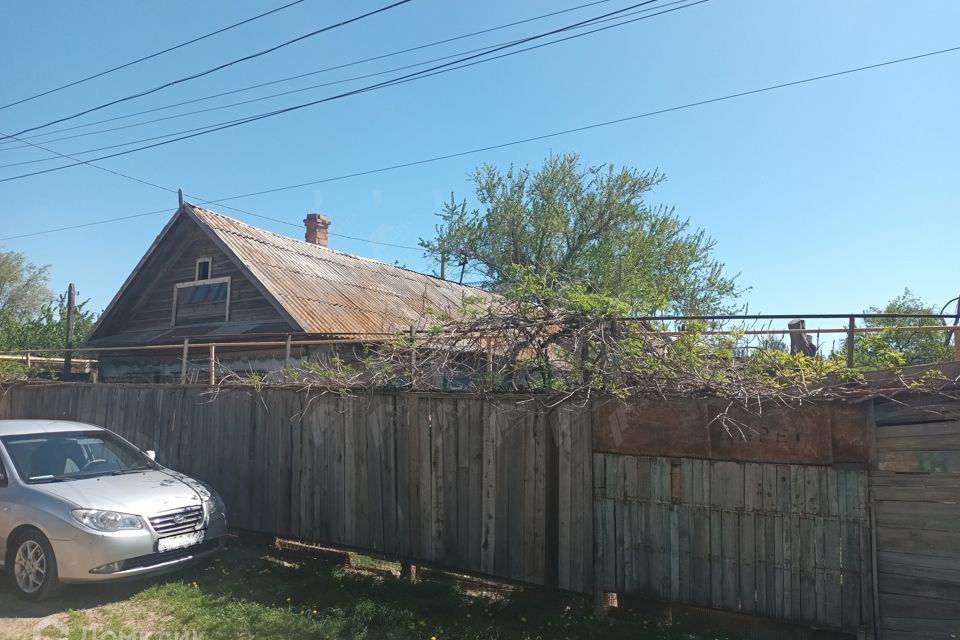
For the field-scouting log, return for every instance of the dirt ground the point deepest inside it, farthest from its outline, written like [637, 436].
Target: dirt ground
[23, 620]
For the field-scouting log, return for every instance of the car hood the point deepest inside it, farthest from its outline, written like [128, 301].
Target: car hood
[142, 493]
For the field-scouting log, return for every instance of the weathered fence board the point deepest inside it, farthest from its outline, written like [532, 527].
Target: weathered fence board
[777, 540]
[617, 497]
[462, 482]
[915, 490]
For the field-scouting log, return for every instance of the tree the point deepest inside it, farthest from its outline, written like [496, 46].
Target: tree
[47, 329]
[891, 348]
[23, 286]
[588, 225]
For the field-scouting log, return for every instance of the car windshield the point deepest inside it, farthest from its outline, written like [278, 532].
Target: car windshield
[72, 455]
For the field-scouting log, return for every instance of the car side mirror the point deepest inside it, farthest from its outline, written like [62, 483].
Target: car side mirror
[151, 454]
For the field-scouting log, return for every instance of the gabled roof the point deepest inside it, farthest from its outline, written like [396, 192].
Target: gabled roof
[330, 292]
[319, 290]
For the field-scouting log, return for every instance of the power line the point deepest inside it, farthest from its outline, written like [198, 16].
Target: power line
[436, 70]
[316, 86]
[327, 69]
[170, 190]
[152, 55]
[502, 145]
[90, 164]
[219, 67]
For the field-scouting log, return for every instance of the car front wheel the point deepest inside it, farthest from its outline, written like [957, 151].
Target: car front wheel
[32, 567]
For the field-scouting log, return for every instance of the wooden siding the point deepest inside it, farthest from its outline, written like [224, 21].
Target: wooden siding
[915, 489]
[147, 303]
[778, 540]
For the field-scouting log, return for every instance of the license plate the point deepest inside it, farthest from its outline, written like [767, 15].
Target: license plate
[179, 542]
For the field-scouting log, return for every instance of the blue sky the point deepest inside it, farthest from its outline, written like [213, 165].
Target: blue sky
[828, 197]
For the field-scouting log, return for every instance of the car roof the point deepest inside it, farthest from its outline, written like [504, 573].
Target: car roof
[27, 427]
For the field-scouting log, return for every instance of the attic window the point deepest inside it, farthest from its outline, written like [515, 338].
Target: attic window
[203, 268]
[201, 301]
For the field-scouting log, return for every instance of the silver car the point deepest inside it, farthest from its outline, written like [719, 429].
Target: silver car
[78, 503]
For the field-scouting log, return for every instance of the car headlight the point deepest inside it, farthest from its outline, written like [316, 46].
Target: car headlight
[214, 503]
[107, 520]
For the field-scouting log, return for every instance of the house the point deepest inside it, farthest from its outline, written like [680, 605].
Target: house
[208, 279]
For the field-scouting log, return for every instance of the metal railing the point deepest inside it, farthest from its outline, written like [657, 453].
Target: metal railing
[29, 356]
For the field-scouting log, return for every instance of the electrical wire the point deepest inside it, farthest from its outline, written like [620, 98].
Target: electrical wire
[436, 70]
[502, 145]
[150, 56]
[219, 67]
[311, 87]
[319, 71]
[171, 190]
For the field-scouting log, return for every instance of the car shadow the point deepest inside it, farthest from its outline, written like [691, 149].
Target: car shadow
[79, 596]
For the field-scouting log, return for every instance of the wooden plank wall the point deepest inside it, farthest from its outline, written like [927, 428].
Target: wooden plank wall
[498, 487]
[915, 487]
[783, 541]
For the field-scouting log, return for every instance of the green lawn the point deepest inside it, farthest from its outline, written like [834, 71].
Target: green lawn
[261, 593]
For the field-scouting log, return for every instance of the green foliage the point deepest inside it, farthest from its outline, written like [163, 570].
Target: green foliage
[47, 329]
[332, 373]
[779, 369]
[591, 226]
[24, 287]
[890, 348]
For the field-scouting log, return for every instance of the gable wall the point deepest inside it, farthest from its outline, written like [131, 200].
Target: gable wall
[148, 302]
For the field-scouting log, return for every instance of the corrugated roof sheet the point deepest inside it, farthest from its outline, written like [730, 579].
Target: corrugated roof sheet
[336, 293]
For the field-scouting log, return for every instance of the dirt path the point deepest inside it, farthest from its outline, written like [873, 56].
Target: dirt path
[24, 620]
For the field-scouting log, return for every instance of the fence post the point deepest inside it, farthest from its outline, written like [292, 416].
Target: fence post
[286, 353]
[27, 358]
[850, 334]
[183, 361]
[408, 571]
[213, 365]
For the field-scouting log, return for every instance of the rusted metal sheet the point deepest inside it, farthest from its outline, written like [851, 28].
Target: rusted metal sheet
[824, 434]
[330, 292]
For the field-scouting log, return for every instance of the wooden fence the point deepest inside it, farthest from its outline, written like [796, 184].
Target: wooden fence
[915, 490]
[640, 499]
[500, 487]
[782, 541]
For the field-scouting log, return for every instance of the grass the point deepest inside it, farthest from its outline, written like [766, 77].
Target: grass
[265, 594]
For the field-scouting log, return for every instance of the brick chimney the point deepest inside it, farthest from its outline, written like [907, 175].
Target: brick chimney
[318, 226]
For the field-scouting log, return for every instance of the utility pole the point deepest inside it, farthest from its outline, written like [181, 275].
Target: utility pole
[71, 312]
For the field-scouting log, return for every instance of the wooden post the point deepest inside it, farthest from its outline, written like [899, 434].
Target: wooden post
[603, 601]
[68, 354]
[850, 341]
[286, 353]
[408, 571]
[183, 361]
[213, 365]
[490, 359]
[413, 354]
[27, 358]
